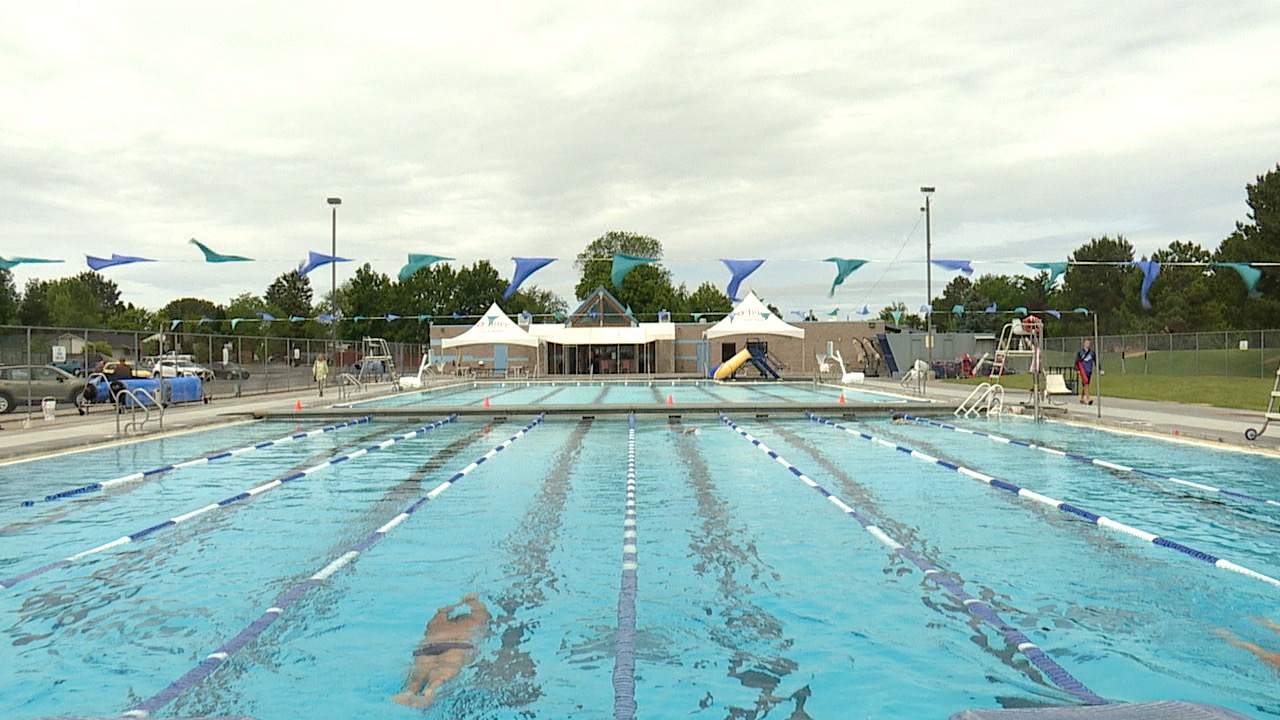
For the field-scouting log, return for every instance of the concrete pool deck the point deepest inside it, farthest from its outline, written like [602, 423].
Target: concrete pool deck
[26, 435]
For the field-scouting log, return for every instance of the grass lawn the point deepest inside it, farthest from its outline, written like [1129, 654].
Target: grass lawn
[1226, 392]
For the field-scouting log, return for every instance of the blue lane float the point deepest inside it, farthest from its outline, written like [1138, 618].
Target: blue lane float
[282, 602]
[976, 607]
[252, 492]
[624, 641]
[1092, 461]
[147, 474]
[1094, 518]
[175, 389]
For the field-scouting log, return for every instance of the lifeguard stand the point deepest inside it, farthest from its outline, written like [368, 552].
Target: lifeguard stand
[375, 361]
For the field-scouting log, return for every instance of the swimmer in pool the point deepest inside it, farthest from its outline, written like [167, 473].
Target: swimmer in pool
[677, 428]
[900, 419]
[1270, 657]
[447, 645]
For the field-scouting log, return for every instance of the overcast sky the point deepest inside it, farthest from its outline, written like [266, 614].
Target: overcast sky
[786, 131]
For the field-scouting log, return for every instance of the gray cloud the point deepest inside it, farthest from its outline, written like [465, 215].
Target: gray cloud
[751, 130]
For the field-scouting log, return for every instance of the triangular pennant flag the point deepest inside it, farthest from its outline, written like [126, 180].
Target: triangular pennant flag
[424, 316]
[417, 262]
[1021, 310]
[740, 269]
[391, 318]
[266, 317]
[844, 268]
[524, 268]
[97, 263]
[1054, 313]
[1150, 271]
[958, 265]
[926, 309]
[202, 321]
[213, 257]
[1055, 269]
[629, 313]
[558, 315]
[325, 318]
[957, 309]
[991, 308]
[623, 264]
[10, 263]
[315, 260]
[865, 310]
[296, 318]
[664, 316]
[897, 316]
[174, 323]
[697, 317]
[799, 313]
[1248, 273]
[236, 321]
[1082, 310]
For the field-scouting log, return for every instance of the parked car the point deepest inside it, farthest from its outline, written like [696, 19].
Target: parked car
[229, 370]
[169, 367]
[109, 368]
[41, 381]
[71, 366]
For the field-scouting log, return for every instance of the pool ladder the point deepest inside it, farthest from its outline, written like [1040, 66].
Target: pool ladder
[1271, 413]
[987, 398]
[141, 402]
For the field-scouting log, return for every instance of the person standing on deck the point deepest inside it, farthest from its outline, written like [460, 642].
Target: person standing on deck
[1085, 360]
[320, 371]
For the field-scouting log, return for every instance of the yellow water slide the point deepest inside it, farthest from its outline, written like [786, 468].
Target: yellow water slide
[730, 366]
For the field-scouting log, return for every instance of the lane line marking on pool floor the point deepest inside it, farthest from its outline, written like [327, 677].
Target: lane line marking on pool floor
[1094, 518]
[282, 602]
[247, 494]
[145, 474]
[976, 607]
[1090, 460]
[624, 640]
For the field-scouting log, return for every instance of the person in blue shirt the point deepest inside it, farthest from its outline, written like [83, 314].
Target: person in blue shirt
[1085, 360]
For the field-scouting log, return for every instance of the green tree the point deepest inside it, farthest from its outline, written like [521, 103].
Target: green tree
[368, 294]
[9, 298]
[1185, 298]
[646, 289]
[707, 298]
[540, 303]
[1108, 290]
[289, 295]
[1257, 240]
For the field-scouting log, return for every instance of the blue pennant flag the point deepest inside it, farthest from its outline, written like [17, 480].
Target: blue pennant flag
[740, 269]
[1150, 271]
[524, 268]
[97, 263]
[958, 265]
[315, 260]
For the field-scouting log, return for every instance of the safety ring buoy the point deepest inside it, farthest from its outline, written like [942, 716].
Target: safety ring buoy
[1033, 325]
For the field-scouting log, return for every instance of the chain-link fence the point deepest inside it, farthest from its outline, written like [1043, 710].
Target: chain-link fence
[1236, 353]
[236, 364]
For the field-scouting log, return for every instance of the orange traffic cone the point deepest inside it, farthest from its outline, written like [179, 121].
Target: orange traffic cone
[841, 398]
[671, 400]
[297, 404]
[486, 402]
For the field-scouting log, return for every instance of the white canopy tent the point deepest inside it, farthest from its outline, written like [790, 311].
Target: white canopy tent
[494, 328]
[751, 317]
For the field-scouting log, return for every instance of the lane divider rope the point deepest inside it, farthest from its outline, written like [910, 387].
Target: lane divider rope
[1091, 460]
[979, 609]
[252, 492]
[1094, 518]
[282, 602]
[134, 477]
[624, 642]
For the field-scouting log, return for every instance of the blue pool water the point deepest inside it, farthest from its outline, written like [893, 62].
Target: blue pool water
[637, 392]
[756, 596]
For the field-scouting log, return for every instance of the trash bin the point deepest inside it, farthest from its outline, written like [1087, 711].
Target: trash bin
[49, 407]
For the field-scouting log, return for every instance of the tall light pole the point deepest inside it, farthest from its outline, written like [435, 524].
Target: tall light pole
[334, 202]
[928, 275]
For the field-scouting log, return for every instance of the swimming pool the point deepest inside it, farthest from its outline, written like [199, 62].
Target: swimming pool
[634, 392]
[754, 595]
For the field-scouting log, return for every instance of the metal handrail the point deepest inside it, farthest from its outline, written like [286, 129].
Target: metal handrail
[345, 380]
[141, 400]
